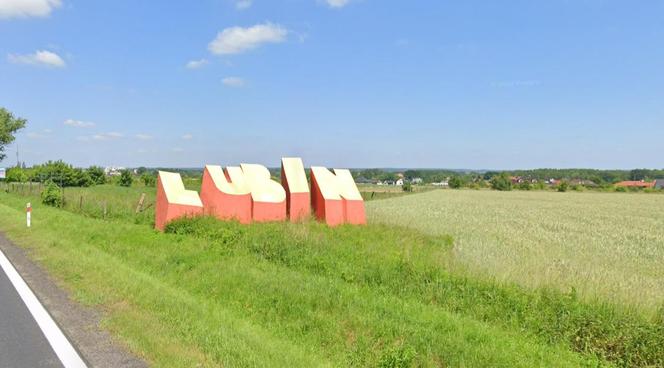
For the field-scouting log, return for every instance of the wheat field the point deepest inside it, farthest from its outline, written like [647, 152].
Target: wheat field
[604, 245]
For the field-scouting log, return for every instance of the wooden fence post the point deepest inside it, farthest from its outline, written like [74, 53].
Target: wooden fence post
[139, 207]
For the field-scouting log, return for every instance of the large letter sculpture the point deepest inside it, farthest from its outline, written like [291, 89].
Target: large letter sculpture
[226, 196]
[335, 198]
[247, 193]
[268, 197]
[173, 200]
[294, 181]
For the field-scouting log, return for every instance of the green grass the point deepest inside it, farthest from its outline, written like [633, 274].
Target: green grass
[604, 245]
[223, 294]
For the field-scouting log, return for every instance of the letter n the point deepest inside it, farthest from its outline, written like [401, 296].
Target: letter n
[335, 198]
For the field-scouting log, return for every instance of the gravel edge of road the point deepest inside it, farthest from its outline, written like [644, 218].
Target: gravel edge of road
[80, 324]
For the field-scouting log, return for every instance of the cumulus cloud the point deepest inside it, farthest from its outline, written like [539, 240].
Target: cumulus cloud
[233, 82]
[27, 8]
[187, 137]
[195, 64]
[79, 123]
[41, 57]
[243, 4]
[337, 3]
[235, 40]
[143, 137]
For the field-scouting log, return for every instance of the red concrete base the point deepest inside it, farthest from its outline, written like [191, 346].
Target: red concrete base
[269, 211]
[354, 212]
[166, 212]
[222, 205]
[299, 206]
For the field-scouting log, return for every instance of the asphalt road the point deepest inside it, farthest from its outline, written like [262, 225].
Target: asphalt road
[22, 343]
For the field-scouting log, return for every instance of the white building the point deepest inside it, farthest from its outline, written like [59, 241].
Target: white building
[113, 170]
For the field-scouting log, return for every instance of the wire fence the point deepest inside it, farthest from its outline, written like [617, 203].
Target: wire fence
[109, 203]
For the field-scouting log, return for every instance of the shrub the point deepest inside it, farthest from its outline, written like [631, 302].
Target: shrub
[621, 189]
[525, 186]
[501, 182]
[52, 195]
[455, 182]
[562, 186]
[97, 175]
[125, 179]
[148, 179]
[16, 175]
[407, 187]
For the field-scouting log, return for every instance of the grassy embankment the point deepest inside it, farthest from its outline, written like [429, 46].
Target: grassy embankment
[306, 295]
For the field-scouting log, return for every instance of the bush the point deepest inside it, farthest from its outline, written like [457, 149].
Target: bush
[455, 182]
[621, 189]
[16, 175]
[525, 186]
[562, 186]
[407, 187]
[52, 195]
[97, 175]
[501, 182]
[125, 179]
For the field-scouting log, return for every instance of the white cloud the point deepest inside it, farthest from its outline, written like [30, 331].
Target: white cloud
[107, 136]
[243, 4]
[195, 64]
[337, 3]
[27, 8]
[236, 40]
[233, 82]
[143, 137]
[79, 123]
[41, 57]
[187, 137]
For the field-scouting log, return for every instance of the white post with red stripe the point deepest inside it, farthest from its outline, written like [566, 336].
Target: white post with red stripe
[28, 214]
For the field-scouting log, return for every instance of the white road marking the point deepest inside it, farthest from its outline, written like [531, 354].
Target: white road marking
[63, 349]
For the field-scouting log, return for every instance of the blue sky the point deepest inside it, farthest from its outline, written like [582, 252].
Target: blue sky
[341, 83]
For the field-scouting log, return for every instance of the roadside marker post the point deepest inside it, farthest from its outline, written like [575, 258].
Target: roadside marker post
[28, 213]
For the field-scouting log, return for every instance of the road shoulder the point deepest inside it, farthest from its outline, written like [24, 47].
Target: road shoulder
[81, 324]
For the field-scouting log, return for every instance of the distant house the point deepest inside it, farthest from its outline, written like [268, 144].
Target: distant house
[416, 180]
[516, 179]
[636, 184]
[399, 181]
[659, 183]
[3, 173]
[113, 170]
